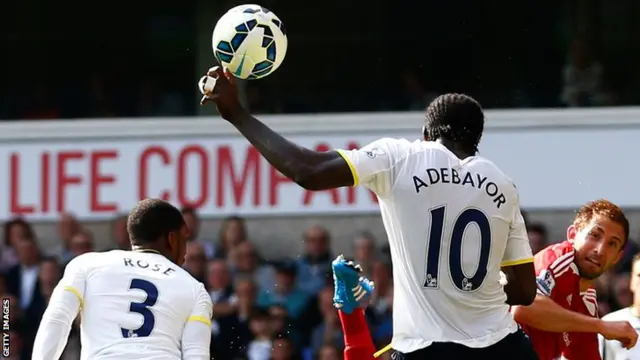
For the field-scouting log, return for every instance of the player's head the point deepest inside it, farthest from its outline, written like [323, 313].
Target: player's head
[455, 118]
[598, 233]
[156, 224]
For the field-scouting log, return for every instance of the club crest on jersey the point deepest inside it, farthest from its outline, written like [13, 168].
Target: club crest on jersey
[545, 282]
[374, 152]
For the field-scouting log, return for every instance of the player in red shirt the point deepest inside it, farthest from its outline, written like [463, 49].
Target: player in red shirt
[563, 320]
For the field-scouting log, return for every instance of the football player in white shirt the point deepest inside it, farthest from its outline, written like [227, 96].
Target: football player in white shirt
[452, 218]
[611, 349]
[137, 304]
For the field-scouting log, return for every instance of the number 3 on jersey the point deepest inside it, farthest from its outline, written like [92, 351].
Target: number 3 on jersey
[143, 308]
[462, 281]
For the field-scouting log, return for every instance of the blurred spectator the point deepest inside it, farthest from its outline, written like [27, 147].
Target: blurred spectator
[365, 252]
[245, 261]
[286, 292]
[119, 233]
[192, 221]
[50, 274]
[15, 345]
[233, 231]
[383, 291]
[538, 236]
[14, 230]
[233, 332]
[622, 295]
[23, 282]
[260, 347]
[583, 78]
[329, 352]
[67, 227]
[81, 243]
[284, 349]
[330, 330]
[314, 265]
[220, 287]
[195, 261]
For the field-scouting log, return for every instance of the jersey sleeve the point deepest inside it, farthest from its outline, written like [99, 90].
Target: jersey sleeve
[518, 250]
[196, 335]
[65, 303]
[371, 164]
[555, 274]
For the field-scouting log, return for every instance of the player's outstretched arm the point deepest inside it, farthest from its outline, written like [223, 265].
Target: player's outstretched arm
[64, 305]
[313, 170]
[196, 335]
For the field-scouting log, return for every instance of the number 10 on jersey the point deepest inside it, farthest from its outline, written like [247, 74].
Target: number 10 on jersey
[462, 281]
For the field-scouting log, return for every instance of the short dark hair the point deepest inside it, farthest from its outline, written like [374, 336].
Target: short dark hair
[17, 222]
[455, 117]
[152, 219]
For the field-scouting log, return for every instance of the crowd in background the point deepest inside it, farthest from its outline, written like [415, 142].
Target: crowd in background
[264, 309]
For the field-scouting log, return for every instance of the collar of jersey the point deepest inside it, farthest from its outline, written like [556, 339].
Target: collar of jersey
[146, 251]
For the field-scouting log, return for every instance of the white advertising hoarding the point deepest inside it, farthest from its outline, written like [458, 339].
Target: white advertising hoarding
[96, 174]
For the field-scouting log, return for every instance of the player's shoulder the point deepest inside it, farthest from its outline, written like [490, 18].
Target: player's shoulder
[619, 315]
[488, 167]
[556, 257]
[90, 260]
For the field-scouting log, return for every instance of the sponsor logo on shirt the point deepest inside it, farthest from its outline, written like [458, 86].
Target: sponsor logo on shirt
[545, 282]
[374, 152]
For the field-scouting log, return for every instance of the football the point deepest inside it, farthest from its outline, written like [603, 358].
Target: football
[250, 41]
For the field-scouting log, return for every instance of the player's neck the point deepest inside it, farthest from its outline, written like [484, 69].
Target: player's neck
[144, 250]
[455, 149]
[585, 284]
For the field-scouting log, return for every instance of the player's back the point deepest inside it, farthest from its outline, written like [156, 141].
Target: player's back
[448, 222]
[135, 305]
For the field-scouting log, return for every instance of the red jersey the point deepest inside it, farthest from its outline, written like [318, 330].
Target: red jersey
[558, 278]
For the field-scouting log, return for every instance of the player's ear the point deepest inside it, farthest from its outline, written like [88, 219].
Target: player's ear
[571, 233]
[424, 133]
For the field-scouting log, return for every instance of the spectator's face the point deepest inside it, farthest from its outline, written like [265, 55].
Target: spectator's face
[120, 234]
[49, 273]
[260, 326]
[282, 350]
[315, 241]
[233, 234]
[245, 257]
[27, 251]
[278, 319]
[635, 282]
[537, 241]
[325, 302]
[364, 250]
[67, 227]
[17, 232]
[195, 259]
[81, 243]
[218, 276]
[193, 224]
[284, 280]
[246, 292]
[329, 353]
[597, 244]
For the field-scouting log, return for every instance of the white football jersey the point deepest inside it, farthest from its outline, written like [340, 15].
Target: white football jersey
[451, 225]
[134, 305]
[612, 349]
